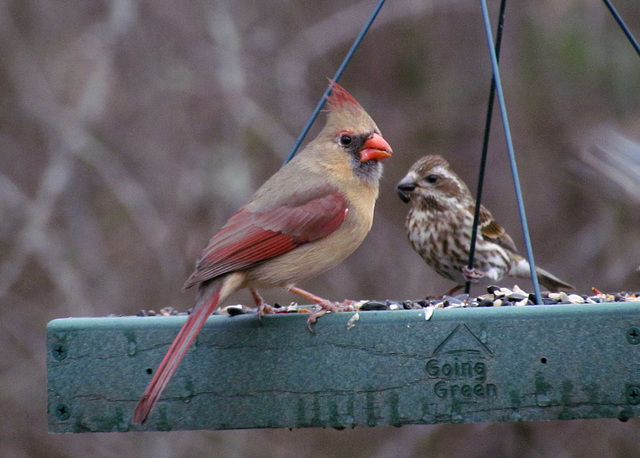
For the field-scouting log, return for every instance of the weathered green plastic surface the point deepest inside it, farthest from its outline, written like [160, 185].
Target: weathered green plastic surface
[390, 368]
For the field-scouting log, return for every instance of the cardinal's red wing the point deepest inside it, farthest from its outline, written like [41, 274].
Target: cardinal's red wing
[249, 238]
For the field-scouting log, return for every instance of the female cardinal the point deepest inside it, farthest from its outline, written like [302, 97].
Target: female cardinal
[439, 227]
[310, 215]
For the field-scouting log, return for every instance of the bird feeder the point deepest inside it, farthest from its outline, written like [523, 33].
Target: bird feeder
[362, 368]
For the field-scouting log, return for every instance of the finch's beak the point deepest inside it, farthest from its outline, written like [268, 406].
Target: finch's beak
[375, 148]
[404, 187]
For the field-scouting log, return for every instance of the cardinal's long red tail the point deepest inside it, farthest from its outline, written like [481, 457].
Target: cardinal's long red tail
[172, 359]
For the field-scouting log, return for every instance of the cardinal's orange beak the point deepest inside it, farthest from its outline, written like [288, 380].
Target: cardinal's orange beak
[375, 148]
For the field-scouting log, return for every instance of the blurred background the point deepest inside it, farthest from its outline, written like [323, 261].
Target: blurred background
[131, 130]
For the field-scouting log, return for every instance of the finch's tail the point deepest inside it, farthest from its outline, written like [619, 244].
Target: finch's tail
[550, 281]
[546, 279]
[181, 344]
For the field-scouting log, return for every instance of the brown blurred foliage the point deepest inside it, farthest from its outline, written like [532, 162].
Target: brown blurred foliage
[130, 131]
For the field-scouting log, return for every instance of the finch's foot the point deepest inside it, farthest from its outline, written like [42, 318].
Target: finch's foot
[472, 275]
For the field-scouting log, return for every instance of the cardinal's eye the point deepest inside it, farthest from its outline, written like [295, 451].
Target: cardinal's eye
[346, 140]
[432, 178]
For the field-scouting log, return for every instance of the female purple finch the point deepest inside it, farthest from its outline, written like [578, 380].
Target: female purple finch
[439, 227]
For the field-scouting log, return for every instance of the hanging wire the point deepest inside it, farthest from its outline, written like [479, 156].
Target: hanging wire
[623, 26]
[485, 147]
[512, 158]
[496, 86]
[336, 77]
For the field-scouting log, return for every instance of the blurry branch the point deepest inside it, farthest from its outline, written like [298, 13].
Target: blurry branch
[96, 46]
[617, 160]
[68, 138]
[11, 194]
[233, 80]
[611, 163]
[404, 443]
[33, 236]
[36, 238]
[338, 29]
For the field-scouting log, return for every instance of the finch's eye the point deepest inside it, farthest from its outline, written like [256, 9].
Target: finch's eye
[432, 178]
[346, 140]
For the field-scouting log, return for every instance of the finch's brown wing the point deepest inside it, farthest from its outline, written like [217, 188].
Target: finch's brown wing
[490, 229]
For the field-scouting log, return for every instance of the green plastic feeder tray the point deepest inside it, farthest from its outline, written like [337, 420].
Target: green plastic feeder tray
[377, 368]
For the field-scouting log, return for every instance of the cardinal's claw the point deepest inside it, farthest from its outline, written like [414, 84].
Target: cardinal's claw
[313, 317]
[264, 309]
[348, 305]
[328, 307]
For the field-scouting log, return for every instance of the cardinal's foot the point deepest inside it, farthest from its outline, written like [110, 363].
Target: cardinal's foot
[264, 309]
[328, 306]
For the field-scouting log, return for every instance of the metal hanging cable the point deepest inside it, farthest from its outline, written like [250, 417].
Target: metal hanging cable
[485, 147]
[510, 150]
[336, 77]
[623, 26]
[496, 87]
